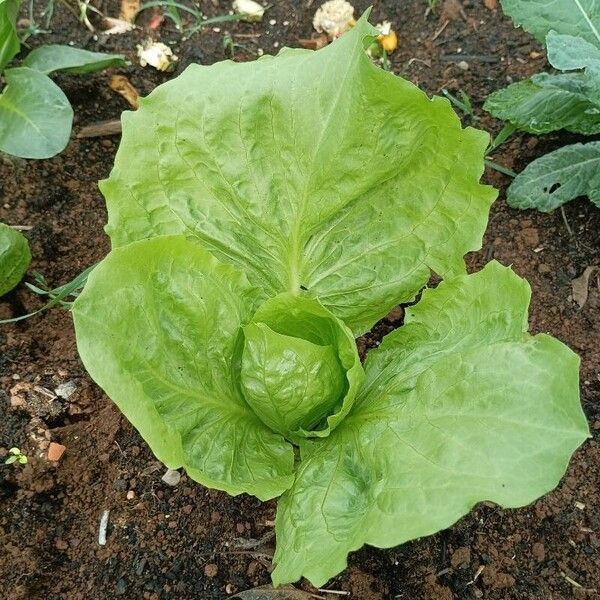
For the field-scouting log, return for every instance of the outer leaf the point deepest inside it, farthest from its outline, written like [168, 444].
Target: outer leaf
[311, 170]
[459, 405]
[559, 103]
[173, 366]
[571, 17]
[558, 177]
[51, 58]
[9, 40]
[300, 370]
[35, 115]
[15, 257]
[569, 52]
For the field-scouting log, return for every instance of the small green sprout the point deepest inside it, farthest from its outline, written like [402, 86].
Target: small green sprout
[15, 455]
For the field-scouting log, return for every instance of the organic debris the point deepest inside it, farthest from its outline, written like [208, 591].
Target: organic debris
[116, 26]
[314, 43]
[103, 527]
[334, 18]
[252, 11]
[122, 85]
[101, 129]
[580, 286]
[388, 40]
[129, 10]
[157, 55]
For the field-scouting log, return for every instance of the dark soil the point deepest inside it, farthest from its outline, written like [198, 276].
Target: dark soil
[180, 542]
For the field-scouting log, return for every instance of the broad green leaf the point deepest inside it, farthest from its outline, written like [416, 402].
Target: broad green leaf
[459, 405]
[300, 367]
[35, 115]
[9, 40]
[51, 58]
[309, 170]
[558, 177]
[547, 103]
[159, 329]
[569, 52]
[15, 257]
[570, 17]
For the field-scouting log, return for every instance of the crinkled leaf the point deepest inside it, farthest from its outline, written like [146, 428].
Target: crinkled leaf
[35, 115]
[9, 40]
[159, 329]
[569, 52]
[300, 367]
[15, 257]
[571, 17]
[309, 170]
[53, 57]
[547, 103]
[459, 405]
[558, 177]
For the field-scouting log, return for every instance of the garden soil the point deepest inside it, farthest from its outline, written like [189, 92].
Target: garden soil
[186, 541]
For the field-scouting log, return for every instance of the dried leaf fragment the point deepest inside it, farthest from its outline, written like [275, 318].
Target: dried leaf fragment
[580, 286]
[129, 10]
[122, 85]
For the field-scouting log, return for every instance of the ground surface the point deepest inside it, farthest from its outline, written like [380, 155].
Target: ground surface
[179, 542]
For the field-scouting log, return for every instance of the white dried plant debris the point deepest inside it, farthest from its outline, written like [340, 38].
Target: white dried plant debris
[384, 28]
[116, 26]
[334, 18]
[251, 10]
[156, 54]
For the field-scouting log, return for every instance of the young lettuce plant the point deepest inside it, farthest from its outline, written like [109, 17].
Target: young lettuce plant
[264, 214]
[35, 115]
[549, 102]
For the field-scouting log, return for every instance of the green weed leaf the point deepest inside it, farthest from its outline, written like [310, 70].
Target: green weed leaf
[558, 177]
[35, 115]
[15, 257]
[51, 58]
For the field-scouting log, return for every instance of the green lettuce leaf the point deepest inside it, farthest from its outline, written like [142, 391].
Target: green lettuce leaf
[300, 367]
[15, 257]
[559, 176]
[308, 170]
[571, 17]
[159, 329]
[459, 405]
[53, 57]
[35, 115]
[548, 103]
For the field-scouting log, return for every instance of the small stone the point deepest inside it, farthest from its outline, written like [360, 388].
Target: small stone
[272, 22]
[463, 65]
[66, 390]
[211, 570]
[60, 544]
[530, 236]
[171, 477]
[533, 54]
[544, 269]
[55, 451]
[240, 528]
[120, 485]
[187, 509]
[121, 587]
[230, 588]
[490, 4]
[130, 495]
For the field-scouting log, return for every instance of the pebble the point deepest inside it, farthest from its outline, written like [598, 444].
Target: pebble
[211, 570]
[61, 544]
[55, 451]
[463, 65]
[171, 477]
[130, 495]
[461, 557]
[538, 551]
[272, 22]
[66, 390]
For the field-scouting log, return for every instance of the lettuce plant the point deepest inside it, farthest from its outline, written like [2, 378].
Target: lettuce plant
[264, 214]
[549, 102]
